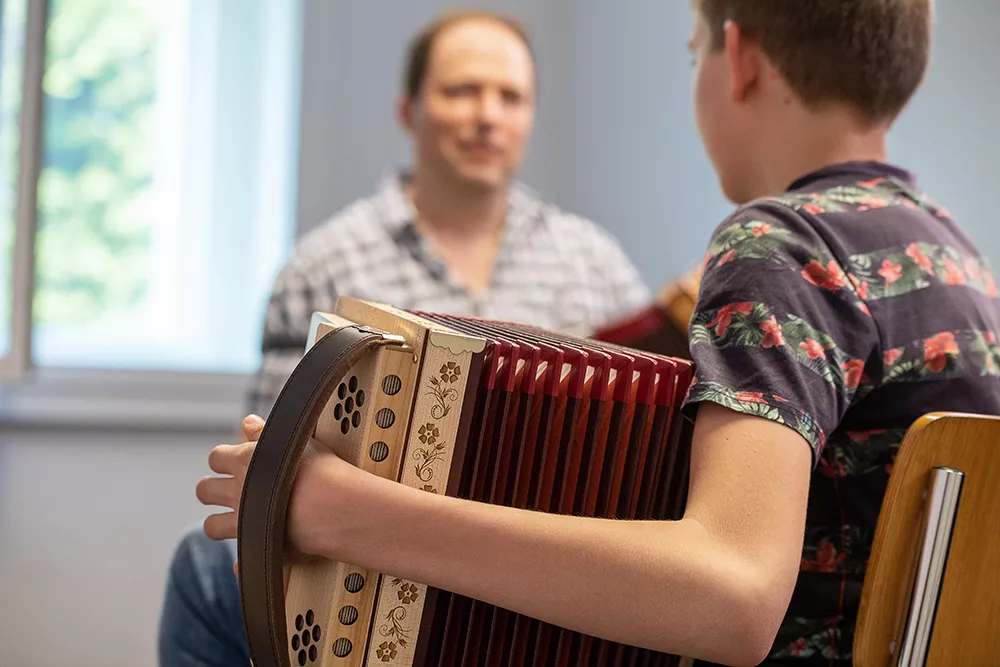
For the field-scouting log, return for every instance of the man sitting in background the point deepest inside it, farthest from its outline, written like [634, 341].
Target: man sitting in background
[457, 234]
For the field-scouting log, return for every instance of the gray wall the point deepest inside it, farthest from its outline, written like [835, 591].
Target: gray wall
[88, 521]
[616, 138]
[88, 514]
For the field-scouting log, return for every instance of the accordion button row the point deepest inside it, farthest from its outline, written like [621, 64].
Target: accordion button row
[348, 614]
[347, 411]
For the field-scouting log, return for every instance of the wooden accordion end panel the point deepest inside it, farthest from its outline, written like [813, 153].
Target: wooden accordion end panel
[497, 413]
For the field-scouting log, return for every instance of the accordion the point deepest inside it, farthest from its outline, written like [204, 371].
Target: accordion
[489, 411]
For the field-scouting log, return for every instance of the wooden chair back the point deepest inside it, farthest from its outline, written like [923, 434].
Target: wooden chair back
[932, 587]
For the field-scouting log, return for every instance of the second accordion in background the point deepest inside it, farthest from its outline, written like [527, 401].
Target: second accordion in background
[494, 412]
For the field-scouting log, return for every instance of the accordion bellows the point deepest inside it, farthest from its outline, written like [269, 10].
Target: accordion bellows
[494, 412]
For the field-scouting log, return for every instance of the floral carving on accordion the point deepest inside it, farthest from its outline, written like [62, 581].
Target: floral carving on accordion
[408, 593]
[432, 451]
[393, 629]
[444, 394]
[386, 651]
[427, 456]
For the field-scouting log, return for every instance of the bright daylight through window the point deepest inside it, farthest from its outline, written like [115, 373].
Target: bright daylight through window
[165, 192]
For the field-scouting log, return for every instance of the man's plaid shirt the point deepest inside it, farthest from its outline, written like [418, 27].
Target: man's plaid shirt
[553, 270]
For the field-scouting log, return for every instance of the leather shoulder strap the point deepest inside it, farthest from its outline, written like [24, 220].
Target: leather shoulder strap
[268, 484]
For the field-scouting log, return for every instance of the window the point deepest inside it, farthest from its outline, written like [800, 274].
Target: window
[166, 181]
[13, 24]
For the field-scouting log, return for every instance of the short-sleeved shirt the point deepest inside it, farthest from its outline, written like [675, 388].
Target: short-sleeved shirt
[845, 308]
[553, 269]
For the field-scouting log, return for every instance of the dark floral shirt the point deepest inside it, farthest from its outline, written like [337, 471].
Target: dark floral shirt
[845, 308]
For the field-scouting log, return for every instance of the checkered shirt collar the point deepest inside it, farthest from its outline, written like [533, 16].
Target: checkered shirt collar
[397, 213]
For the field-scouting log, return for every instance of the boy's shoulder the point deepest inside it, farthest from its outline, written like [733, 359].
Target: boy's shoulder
[847, 209]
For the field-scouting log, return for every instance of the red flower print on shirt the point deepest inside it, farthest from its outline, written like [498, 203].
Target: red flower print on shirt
[728, 257]
[827, 559]
[891, 272]
[952, 274]
[989, 337]
[874, 202]
[798, 647]
[750, 397]
[830, 277]
[724, 317]
[854, 370]
[761, 229]
[937, 349]
[832, 469]
[860, 286]
[892, 356]
[813, 208]
[869, 185]
[772, 331]
[920, 259]
[814, 350]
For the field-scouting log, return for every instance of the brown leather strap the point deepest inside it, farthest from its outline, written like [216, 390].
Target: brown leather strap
[261, 532]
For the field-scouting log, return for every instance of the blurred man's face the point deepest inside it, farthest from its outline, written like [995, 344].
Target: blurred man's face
[475, 111]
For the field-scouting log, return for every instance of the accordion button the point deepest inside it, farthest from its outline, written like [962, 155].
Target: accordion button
[348, 615]
[342, 647]
[385, 418]
[391, 385]
[379, 451]
[354, 582]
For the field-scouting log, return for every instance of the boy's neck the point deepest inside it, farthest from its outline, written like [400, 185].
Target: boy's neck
[807, 142]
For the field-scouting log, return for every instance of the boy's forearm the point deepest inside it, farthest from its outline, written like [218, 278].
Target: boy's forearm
[663, 585]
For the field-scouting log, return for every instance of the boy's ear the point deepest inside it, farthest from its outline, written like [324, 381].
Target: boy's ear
[744, 61]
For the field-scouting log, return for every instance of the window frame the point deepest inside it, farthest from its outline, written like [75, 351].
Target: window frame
[34, 396]
[16, 362]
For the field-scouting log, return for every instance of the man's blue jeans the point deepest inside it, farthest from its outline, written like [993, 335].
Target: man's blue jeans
[201, 624]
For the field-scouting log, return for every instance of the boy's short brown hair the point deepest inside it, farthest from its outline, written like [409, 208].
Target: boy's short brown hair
[871, 54]
[419, 54]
